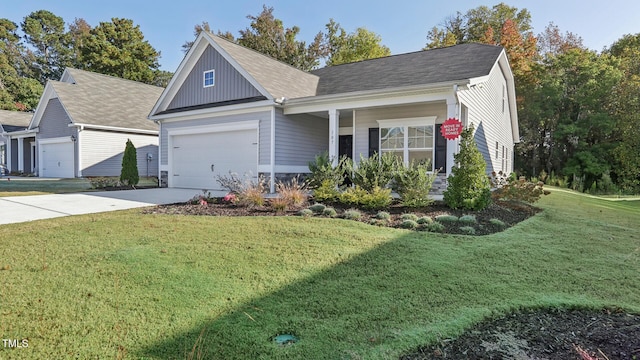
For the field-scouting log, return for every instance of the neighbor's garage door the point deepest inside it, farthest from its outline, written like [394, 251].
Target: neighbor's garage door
[57, 160]
[198, 158]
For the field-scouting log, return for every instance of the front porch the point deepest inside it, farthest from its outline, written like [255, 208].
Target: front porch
[20, 153]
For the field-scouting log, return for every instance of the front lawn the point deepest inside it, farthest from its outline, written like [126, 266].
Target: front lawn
[131, 285]
[25, 186]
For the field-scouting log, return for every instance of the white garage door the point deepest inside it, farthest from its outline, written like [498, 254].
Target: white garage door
[57, 160]
[198, 158]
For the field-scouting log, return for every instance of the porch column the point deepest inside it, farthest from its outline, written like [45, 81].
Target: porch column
[334, 123]
[452, 145]
[7, 153]
[21, 154]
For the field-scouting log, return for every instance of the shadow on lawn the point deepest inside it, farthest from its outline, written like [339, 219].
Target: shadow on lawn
[370, 303]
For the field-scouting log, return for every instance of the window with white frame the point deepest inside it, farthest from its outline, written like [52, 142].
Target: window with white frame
[409, 139]
[209, 78]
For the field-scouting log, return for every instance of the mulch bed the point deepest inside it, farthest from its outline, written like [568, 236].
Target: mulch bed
[508, 212]
[544, 334]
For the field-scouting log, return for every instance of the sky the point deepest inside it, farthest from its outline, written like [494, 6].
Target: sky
[402, 24]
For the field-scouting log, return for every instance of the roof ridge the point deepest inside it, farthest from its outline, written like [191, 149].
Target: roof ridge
[92, 73]
[409, 53]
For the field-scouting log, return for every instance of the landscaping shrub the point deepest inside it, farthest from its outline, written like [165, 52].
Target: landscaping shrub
[468, 186]
[252, 192]
[425, 220]
[103, 182]
[497, 222]
[447, 218]
[329, 211]
[468, 219]
[352, 214]
[232, 182]
[413, 184]
[326, 192]
[279, 204]
[435, 227]
[305, 212]
[322, 171]
[294, 191]
[520, 190]
[409, 224]
[412, 217]
[129, 173]
[373, 172]
[377, 198]
[377, 222]
[468, 230]
[317, 208]
[383, 215]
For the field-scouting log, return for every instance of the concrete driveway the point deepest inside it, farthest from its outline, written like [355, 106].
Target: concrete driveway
[16, 209]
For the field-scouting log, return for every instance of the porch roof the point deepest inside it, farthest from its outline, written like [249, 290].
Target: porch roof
[14, 120]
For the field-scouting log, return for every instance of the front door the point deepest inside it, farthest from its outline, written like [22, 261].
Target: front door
[345, 146]
[441, 151]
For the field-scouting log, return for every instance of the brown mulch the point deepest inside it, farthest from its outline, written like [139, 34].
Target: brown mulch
[544, 334]
[508, 212]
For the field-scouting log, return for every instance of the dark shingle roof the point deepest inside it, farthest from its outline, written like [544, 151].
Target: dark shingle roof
[453, 63]
[97, 99]
[14, 120]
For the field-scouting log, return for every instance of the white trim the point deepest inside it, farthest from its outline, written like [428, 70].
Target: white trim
[20, 134]
[272, 152]
[264, 105]
[343, 130]
[113, 128]
[21, 154]
[353, 135]
[417, 121]
[284, 169]
[199, 129]
[78, 150]
[204, 78]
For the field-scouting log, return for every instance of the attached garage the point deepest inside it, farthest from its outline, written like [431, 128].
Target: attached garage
[198, 155]
[56, 158]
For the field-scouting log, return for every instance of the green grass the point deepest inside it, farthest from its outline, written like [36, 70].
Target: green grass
[34, 186]
[149, 286]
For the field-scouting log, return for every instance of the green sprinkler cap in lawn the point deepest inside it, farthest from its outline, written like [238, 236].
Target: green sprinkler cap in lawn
[285, 339]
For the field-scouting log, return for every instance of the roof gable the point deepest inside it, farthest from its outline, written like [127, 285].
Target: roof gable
[100, 100]
[14, 120]
[455, 63]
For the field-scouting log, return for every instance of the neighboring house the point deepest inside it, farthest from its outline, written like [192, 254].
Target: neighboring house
[229, 108]
[14, 150]
[82, 123]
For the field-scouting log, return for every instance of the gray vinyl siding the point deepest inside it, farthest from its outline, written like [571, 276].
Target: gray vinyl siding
[102, 152]
[264, 131]
[26, 154]
[14, 155]
[491, 120]
[55, 121]
[299, 138]
[229, 83]
[368, 118]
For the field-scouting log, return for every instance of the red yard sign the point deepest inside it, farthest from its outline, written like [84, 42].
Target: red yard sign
[451, 129]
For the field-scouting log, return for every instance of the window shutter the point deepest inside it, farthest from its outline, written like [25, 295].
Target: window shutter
[374, 141]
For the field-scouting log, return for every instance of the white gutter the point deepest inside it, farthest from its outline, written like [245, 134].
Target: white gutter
[113, 128]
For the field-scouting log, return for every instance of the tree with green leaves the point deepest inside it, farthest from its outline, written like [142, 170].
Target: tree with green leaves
[129, 174]
[468, 185]
[118, 48]
[267, 35]
[341, 47]
[45, 32]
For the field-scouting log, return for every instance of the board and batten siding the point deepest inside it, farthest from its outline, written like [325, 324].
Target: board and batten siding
[368, 118]
[299, 138]
[55, 121]
[229, 83]
[488, 111]
[264, 117]
[102, 152]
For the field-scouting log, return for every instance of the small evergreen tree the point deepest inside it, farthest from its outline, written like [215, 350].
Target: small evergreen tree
[129, 174]
[468, 186]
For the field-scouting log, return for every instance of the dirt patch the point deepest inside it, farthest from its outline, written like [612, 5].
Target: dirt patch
[544, 334]
[507, 213]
